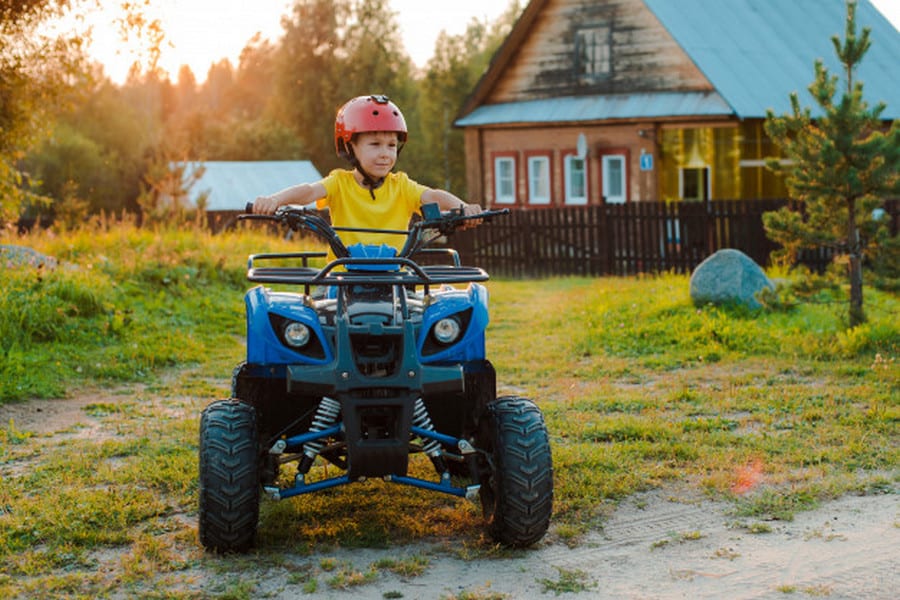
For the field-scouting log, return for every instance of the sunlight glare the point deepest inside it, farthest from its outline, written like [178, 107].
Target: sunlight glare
[200, 33]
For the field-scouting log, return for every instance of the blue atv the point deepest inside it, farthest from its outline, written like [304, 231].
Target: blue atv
[374, 357]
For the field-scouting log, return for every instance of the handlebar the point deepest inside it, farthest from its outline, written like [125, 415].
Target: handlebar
[487, 214]
[445, 223]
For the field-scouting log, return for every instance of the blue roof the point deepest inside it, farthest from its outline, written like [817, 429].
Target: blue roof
[593, 108]
[756, 52]
[231, 184]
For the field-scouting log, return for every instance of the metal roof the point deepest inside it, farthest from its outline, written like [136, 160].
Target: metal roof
[756, 52]
[594, 108]
[231, 184]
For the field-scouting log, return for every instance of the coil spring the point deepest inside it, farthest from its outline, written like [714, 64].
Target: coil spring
[326, 416]
[423, 421]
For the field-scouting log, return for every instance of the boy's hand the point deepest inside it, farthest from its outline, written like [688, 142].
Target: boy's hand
[471, 210]
[265, 205]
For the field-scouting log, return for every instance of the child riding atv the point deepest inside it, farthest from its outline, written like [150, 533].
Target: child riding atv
[387, 364]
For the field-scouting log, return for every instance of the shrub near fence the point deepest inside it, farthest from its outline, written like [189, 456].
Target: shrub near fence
[625, 239]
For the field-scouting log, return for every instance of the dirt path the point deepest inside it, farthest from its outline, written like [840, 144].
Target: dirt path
[653, 547]
[660, 544]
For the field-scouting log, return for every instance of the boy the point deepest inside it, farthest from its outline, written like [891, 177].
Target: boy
[369, 131]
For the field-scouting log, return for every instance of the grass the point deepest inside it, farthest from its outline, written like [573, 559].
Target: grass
[125, 304]
[774, 411]
[571, 581]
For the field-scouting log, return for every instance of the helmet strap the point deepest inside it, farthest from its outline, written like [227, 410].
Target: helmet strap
[368, 181]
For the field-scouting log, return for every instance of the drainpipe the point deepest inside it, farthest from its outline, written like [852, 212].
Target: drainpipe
[482, 184]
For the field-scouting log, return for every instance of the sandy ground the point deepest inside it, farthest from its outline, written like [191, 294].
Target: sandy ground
[654, 547]
[660, 544]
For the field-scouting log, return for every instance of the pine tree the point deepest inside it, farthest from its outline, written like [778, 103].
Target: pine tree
[839, 166]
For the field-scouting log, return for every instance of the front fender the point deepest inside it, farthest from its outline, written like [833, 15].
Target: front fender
[264, 346]
[471, 345]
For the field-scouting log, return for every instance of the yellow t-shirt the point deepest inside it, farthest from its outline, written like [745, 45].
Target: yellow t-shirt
[351, 205]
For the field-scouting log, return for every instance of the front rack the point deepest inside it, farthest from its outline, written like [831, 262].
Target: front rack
[397, 271]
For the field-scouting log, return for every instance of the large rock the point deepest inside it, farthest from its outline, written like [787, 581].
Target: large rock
[728, 276]
[19, 256]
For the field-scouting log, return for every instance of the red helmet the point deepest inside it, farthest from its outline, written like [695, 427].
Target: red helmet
[367, 113]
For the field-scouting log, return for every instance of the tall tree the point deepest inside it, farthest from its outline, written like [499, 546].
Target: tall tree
[145, 36]
[96, 151]
[332, 51]
[377, 62]
[37, 71]
[840, 165]
[458, 63]
[185, 89]
[308, 84]
[255, 77]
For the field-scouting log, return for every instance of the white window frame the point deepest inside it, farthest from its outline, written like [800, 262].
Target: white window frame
[569, 176]
[593, 53]
[499, 196]
[539, 188]
[607, 179]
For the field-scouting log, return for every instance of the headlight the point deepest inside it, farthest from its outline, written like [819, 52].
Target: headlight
[446, 331]
[296, 334]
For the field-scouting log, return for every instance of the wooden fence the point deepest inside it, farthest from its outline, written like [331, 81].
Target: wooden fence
[625, 239]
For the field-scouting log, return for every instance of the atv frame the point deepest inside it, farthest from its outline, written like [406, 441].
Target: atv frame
[375, 357]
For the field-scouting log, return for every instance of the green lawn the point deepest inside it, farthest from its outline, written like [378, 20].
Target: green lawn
[773, 411]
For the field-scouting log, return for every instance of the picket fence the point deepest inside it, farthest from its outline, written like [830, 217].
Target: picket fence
[626, 239]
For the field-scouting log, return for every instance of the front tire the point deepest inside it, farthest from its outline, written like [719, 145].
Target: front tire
[517, 489]
[229, 476]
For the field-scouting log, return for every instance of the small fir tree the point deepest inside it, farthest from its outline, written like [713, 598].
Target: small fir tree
[839, 168]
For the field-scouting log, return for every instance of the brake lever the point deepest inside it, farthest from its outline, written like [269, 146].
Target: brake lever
[451, 221]
[249, 215]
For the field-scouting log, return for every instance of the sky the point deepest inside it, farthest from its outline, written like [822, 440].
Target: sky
[202, 32]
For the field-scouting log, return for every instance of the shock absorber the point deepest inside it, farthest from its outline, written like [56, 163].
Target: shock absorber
[432, 448]
[326, 416]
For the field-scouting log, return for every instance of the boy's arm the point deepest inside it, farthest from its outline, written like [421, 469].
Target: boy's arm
[302, 194]
[447, 201]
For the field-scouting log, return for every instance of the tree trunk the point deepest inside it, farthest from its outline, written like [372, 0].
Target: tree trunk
[857, 315]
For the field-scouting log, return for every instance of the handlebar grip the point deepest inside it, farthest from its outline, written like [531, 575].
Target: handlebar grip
[249, 208]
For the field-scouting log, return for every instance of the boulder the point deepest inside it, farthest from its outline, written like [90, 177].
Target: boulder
[728, 277]
[19, 256]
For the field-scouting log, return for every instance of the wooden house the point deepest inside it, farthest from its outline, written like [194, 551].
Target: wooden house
[589, 101]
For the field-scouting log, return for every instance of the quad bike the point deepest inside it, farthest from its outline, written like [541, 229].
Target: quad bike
[377, 358]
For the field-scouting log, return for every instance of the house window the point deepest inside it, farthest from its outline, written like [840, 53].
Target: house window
[539, 179]
[576, 179]
[695, 184]
[614, 180]
[593, 53]
[505, 180]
